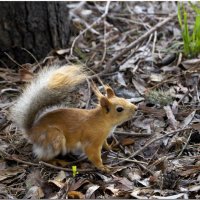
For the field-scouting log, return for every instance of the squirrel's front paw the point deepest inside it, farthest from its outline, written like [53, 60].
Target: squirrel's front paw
[105, 169]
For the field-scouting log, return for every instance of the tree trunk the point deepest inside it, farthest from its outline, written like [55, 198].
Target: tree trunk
[34, 26]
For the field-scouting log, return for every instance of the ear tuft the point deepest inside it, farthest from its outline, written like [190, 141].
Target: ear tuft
[104, 102]
[109, 91]
[96, 90]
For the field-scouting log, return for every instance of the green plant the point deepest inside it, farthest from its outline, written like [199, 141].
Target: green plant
[191, 39]
[74, 170]
[159, 97]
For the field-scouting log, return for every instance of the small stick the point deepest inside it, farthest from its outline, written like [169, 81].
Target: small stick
[132, 134]
[32, 56]
[185, 145]
[145, 168]
[12, 59]
[180, 100]
[130, 160]
[153, 47]
[105, 45]
[10, 157]
[170, 115]
[65, 169]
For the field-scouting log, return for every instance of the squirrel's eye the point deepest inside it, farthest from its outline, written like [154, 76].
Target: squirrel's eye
[119, 109]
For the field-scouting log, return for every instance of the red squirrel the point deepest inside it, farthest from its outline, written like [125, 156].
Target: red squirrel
[61, 130]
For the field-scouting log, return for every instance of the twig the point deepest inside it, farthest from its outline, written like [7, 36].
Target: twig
[5, 125]
[105, 45]
[10, 157]
[126, 20]
[89, 27]
[12, 59]
[145, 168]
[185, 145]
[180, 100]
[32, 56]
[153, 47]
[132, 133]
[65, 169]
[152, 141]
[133, 44]
[170, 115]
[130, 160]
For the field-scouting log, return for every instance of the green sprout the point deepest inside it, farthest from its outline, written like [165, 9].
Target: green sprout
[74, 171]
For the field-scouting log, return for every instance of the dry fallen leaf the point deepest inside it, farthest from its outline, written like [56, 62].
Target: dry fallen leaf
[91, 190]
[156, 77]
[10, 172]
[34, 192]
[136, 193]
[125, 183]
[34, 179]
[188, 119]
[139, 87]
[75, 195]
[194, 188]
[2, 164]
[196, 126]
[127, 141]
[78, 184]
[112, 188]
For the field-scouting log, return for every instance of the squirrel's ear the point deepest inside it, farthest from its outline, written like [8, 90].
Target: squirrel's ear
[104, 102]
[96, 90]
[109, 91]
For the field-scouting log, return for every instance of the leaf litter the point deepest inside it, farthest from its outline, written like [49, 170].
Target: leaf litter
[132, 46]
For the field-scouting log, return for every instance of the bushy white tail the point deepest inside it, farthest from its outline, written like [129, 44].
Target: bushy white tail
[50, 87]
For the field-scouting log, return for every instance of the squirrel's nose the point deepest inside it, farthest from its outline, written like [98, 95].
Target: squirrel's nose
[136, 107]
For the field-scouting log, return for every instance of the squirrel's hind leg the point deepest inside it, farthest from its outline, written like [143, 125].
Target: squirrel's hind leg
[48, 144]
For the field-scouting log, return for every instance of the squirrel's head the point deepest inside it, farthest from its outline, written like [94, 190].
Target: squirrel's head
[117, 109]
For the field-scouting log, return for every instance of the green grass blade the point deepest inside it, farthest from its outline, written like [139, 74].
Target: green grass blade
[179, 15]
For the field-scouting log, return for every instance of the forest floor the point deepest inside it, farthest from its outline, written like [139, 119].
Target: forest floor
[136, 48]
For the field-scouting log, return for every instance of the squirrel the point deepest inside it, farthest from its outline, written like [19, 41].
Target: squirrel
[61, 130]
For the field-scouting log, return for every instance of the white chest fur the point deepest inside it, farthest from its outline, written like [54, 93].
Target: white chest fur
[112, 131]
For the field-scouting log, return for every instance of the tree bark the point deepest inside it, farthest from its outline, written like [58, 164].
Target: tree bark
[37, 27]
